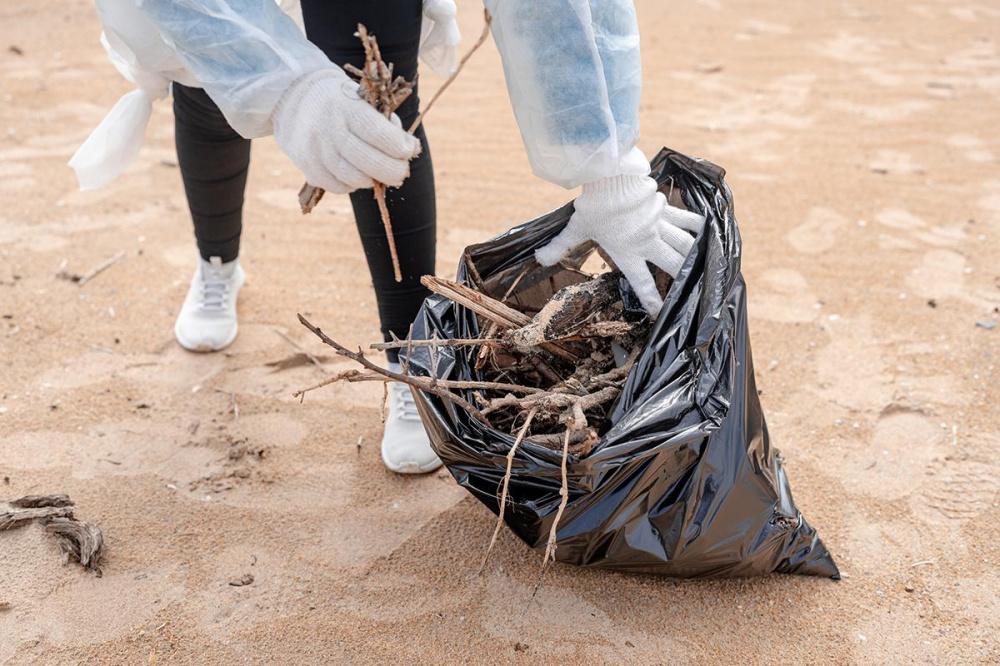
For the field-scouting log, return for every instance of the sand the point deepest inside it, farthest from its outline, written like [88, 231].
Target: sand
[861, 144]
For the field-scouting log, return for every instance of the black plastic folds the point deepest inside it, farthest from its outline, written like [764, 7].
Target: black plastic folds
[685, 482]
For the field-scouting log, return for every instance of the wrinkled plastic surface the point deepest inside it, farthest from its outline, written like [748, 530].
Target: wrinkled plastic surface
[685, 482]
[138, 49]
[574, 76]
[440, 36]
[244, 54]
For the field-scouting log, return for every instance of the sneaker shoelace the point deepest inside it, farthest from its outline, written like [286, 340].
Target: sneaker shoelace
[404, 399]
[214, 289]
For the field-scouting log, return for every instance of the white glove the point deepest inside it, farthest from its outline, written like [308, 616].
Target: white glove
[439, 36]
[338, 141]
[633, 223]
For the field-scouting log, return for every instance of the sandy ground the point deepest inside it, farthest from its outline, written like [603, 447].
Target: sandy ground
[861, 142]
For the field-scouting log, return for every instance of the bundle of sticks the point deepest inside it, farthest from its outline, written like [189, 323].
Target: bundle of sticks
[547, 375]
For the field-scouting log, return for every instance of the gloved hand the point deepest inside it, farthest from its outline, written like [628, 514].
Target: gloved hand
[439, 36]
[633, 223]
[338, 141]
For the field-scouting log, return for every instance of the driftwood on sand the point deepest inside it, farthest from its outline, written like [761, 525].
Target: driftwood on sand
[79, 541]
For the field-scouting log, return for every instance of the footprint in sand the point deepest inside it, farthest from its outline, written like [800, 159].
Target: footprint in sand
[786, 297]
[898, 218]
[874, 543]
[941, 274]
[852, 369]
[881, 113]
[15, 169]
[971, 148]
[888, 161]
[48, 599]
[819, 232]
[558, 621]
[974, 598]
[755, 28]
[846, 47]
[181, 256]
[991, 200]
[111, 448]
[941, 235]
[958, 491]
[893, 463]
[880, 77]
[883, 637]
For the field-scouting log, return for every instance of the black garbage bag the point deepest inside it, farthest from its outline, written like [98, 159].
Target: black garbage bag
[685, 481]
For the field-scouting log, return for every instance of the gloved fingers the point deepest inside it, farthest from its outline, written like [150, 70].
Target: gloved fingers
[666, 258]
[347, 173]
[678, 239]
[318, 176]
[559, 247]
[637, 273]
[373, 163]
[373, 128]
[685, 219]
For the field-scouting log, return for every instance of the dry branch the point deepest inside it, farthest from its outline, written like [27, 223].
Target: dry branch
[453, 342]
[505, 485]
[500, 314]
[92, 273]
[426, 386]
[487, 20]
[550, 545]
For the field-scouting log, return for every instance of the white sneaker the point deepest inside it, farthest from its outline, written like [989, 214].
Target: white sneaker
[406, 449]
[207, 321]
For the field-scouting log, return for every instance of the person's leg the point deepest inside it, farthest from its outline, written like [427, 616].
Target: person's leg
[396, 25]
[213, 162]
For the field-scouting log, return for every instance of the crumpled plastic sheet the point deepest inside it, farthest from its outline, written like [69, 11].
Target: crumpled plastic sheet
[685, 482]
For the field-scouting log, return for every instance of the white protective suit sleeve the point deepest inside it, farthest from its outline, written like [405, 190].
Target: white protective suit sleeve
[244, 53]
[574, 76]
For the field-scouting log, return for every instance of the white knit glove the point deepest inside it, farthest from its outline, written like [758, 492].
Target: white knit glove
[439, 36]
[338, 141]
[633, 223]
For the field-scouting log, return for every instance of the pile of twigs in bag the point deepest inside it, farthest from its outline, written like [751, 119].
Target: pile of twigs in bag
[610, 439]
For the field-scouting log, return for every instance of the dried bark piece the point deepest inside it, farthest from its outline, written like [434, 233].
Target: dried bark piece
[11, 519]
[569, 311]
[309, 196]
[36, 501]
[80, 541]
[489, 308]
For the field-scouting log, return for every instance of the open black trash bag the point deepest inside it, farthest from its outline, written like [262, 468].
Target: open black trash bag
[685, 482]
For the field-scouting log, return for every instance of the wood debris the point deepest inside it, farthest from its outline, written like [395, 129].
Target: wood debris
[83, 279]
[81, 542]
[548, 375]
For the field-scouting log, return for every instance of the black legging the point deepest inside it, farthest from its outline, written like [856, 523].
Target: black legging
[214, 159]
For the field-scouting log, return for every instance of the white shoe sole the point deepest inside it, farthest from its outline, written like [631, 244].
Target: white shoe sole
[204, 348]
[411, 467]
